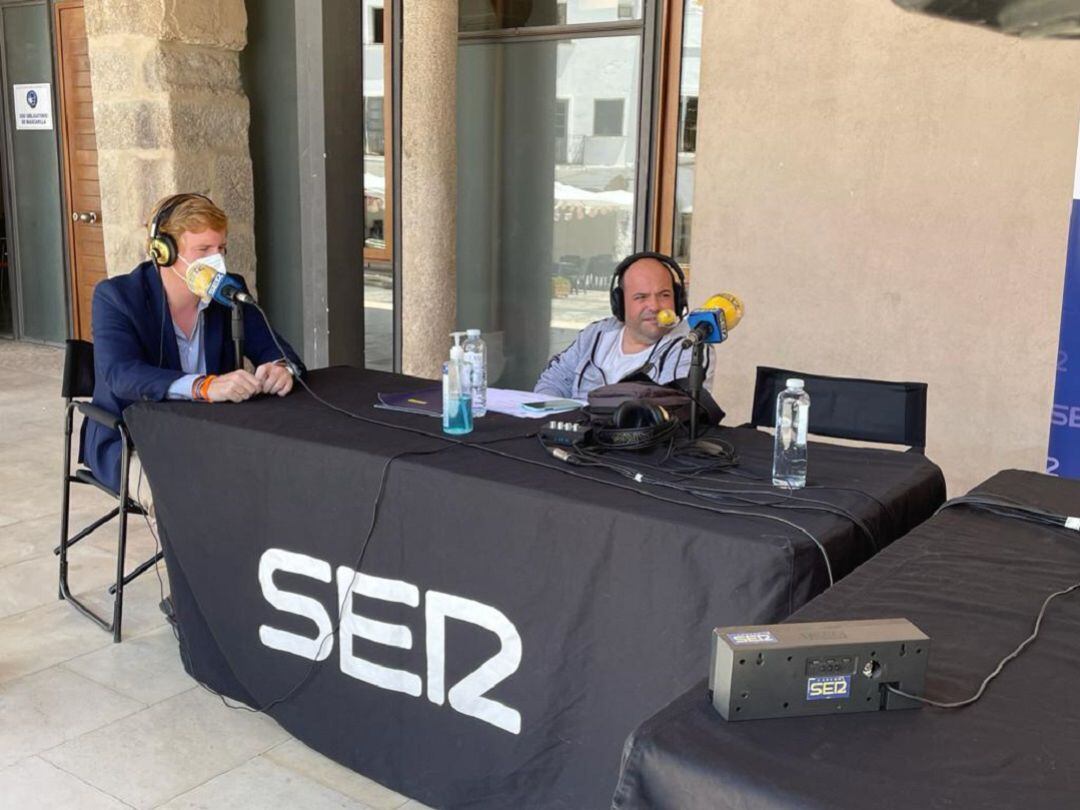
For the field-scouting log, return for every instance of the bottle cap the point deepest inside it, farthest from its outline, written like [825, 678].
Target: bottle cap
[457, 337]
[795, 382]
[472, 333]
[456, 353]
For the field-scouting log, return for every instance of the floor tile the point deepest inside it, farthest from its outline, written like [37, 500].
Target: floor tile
[35, 783]
[48, 708]
[56, 632]
[33, 583]
[37, 537]
[167, 749]
[264, 784]
[296, 756]
[146, 668]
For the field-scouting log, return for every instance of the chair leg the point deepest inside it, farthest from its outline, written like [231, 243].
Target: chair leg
[142, 568]
[121, 549]
[65, 503]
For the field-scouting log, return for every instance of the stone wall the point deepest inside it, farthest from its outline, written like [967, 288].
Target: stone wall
[171, 116]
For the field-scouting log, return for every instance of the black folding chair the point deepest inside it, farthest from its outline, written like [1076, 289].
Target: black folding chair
[849, 408]
[78, 383]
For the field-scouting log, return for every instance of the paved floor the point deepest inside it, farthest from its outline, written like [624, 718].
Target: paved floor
[86, 723]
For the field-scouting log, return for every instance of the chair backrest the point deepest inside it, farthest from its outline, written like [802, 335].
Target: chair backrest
[849, 408]
[78, 382]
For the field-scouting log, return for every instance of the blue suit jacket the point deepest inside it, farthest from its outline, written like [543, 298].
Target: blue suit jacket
[136, 358]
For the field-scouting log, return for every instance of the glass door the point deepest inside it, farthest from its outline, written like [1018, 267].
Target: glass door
[35, 254]
[548, 131]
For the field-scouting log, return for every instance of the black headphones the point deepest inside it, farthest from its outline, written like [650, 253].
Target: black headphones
[160, 245]
[615, 293]
[636, 425]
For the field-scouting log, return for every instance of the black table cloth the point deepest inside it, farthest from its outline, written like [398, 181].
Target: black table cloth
[974, 583]
[511, 623]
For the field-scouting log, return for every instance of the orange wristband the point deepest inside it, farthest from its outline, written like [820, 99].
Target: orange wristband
[204, 388]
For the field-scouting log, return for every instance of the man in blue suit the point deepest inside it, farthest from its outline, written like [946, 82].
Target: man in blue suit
[155, 339]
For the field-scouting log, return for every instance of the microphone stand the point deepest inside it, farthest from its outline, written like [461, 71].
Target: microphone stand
[695, 380]
[238, 333]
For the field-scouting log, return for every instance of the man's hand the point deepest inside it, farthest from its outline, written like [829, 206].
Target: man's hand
[236, 386]
[274, 379]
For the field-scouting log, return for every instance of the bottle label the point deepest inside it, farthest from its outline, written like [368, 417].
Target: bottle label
[804, 421]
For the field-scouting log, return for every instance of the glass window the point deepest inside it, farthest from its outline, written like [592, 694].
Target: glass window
[545, 201]
[487, 15]
[374, 127]
[377, 32]
[687, 137]
[608, 116]
[378, 265]
[562, 112]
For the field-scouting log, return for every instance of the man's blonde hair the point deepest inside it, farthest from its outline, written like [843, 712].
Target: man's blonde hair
[193, 212]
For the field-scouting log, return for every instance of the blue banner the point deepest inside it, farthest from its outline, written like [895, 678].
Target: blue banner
[1064, 455]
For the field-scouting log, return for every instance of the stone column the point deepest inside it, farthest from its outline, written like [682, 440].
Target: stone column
[428, 183]
[171, 116]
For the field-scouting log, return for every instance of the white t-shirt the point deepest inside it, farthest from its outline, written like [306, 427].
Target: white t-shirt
[615, 363]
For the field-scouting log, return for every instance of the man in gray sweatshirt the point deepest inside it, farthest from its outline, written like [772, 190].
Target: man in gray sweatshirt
[633, 338]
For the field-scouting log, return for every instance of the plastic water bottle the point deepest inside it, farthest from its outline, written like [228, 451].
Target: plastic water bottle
[476, 357]
[789, 450]
[456, 402]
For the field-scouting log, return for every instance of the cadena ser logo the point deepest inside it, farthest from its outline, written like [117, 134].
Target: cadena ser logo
[1065, 415]
[831, 687]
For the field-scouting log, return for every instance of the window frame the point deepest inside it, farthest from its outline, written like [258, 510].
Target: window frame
[665, 166]
[385, 254]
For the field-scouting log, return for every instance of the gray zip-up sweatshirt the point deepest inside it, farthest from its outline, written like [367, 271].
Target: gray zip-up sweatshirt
[575, 371]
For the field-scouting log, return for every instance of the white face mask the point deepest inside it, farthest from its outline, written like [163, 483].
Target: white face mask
[215, 261]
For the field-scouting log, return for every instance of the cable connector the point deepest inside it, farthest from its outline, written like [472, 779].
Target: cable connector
[563, 455]
[1073, 523]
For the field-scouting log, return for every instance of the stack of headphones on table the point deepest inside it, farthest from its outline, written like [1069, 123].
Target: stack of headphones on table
[636, 415]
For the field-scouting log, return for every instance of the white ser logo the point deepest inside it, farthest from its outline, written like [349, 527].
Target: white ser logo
[466, 696]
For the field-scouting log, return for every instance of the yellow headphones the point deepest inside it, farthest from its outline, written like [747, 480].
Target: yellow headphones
[160, 245]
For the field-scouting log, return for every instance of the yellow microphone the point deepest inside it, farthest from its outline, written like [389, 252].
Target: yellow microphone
[711, 323]
[666, 318]
[208, 283]
[199, 277]
[730, 305]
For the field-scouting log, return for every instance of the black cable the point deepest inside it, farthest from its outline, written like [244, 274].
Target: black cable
[384, 477]
[1001, 664]
[570, 457]
[1006, 507]
[778, 500]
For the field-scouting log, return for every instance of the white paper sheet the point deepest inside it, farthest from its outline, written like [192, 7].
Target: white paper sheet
[509, 402]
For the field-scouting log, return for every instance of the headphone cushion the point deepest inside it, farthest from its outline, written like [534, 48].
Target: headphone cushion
[162, 250]
[636, 413]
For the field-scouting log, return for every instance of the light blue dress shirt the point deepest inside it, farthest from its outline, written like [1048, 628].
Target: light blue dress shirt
[192, 356]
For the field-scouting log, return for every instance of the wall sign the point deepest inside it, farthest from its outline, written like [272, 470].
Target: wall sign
[33, 106]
